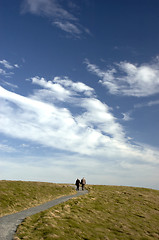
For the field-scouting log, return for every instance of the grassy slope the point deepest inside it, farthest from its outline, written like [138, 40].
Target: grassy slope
[17, 195]
[107, 212]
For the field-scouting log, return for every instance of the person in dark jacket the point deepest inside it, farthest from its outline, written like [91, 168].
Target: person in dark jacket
[77, 183]
[83, 183]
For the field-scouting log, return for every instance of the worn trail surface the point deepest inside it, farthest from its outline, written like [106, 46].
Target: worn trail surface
[9, 223]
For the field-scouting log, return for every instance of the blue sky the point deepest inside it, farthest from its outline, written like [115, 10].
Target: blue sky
[79, 91]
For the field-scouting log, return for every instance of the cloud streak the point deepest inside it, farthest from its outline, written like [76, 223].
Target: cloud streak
[68, 27]
[6, 64]
[60, 17]
[129, 79]
[47, 8]
[147, 104]
[6, 67]
[6, 148]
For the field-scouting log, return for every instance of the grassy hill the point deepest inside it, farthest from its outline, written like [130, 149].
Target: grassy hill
[17, 195]
[106, 213]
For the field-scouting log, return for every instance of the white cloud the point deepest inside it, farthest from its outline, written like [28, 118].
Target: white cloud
[57, 90]
[91, 130]
[5, 83]
[88, 138]
[66, 168]
[74, 86]
[126, 116]
[3, 72]
[6, 148]
[68, 27]
[16, 66]
[98, 116]
[47, 8]
[61, 17]
[147, 104]
[45, 124]
[6, 64]
[129, 79]
[61, 89]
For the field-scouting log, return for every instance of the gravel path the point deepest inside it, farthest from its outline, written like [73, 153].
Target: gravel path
[9, 223]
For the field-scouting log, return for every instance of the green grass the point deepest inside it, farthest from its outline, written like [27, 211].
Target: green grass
[107, 212]
[17, 195]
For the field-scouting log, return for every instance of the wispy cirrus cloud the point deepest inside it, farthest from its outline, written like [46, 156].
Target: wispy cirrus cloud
[47, 8]
[129, 79]
[11, 85]
[6, 148]
[2, 72]
[7, 65]
[5, 72]
[68, 27]
[147, 104]
[61, 17]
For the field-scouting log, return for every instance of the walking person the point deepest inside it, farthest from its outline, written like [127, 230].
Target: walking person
[83, 182]
[77, 183]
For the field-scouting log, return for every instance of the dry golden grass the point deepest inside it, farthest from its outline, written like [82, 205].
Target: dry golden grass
[107, 212]
[18, 195]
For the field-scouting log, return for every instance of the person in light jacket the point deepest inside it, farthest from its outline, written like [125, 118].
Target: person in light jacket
[83, 183]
